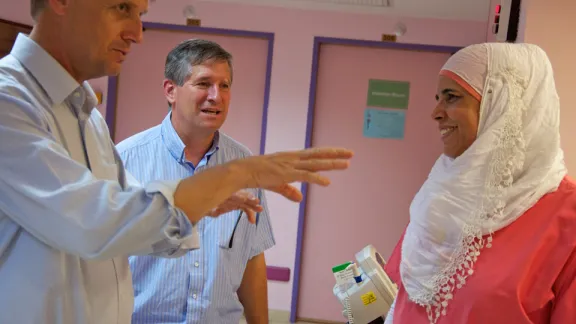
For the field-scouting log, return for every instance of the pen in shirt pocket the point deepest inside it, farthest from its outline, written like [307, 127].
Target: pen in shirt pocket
[234, 230]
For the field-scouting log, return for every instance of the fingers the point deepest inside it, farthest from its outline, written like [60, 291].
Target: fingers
[299, 176]
[251, 205]
[325, 153]
[251, 214]
[244, 206]
[322, 165]
[313, 178]
[315, 153]
[297, 166]
[225, 209]
[242, 200]
[288, 191]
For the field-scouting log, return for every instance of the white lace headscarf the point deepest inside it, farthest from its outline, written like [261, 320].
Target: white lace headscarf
[514, 161]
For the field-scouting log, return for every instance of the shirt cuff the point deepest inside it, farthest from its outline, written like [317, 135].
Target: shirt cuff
[180, 233]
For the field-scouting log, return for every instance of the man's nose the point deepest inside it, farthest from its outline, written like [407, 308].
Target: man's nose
[214, 92]
[134, 33]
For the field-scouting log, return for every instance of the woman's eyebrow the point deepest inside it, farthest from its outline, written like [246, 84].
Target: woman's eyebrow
[445, 91]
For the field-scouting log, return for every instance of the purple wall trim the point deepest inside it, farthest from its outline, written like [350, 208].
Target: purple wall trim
[318, 42]
[113, 80]
[267, 92]
[111, 105]
[278, 273]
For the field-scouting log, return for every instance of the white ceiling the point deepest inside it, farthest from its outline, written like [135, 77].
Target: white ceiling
[471, 10]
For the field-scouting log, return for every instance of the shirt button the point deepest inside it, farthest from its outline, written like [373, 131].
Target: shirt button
[196, 264]
[194, 296]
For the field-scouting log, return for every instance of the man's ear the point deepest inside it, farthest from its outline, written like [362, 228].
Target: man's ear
[170, 90]
[59, 6]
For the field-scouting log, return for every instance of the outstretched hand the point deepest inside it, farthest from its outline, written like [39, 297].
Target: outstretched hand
[276, 171]
[197, 195]
[241, 200]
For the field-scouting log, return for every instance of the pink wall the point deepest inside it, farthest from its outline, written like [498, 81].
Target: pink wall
[549, 24]
[294, 32]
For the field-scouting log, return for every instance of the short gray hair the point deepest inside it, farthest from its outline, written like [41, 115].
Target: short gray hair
[189, 53]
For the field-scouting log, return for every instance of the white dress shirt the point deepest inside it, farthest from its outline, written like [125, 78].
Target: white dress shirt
[69, 218]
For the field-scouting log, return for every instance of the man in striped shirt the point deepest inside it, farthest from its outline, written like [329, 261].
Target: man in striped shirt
[227, 275]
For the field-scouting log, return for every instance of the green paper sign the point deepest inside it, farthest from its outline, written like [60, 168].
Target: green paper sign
[388, 94]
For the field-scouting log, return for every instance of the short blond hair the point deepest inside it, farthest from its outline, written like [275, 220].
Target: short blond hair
[36, 6]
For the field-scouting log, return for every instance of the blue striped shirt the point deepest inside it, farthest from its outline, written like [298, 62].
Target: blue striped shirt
[201, 286]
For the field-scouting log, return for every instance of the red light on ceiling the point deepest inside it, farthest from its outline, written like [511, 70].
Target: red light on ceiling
[498, 7]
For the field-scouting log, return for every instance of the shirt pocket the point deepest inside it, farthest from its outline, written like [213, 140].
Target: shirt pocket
[235, 244]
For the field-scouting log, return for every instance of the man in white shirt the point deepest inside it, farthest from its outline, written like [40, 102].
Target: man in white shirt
[69, 214]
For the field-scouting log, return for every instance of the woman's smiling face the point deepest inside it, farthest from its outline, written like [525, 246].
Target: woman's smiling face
[457, 113]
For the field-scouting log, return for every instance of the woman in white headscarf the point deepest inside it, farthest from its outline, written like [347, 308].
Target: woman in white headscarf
[492, 232]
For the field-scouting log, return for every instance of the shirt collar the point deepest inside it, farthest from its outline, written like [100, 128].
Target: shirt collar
[174, 143]
[58, 84]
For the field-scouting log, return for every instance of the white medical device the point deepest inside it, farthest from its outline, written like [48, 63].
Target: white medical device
[366, 293]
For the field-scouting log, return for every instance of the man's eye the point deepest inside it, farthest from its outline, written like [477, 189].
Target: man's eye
[124, 7]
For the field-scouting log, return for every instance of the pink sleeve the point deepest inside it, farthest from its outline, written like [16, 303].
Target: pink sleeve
[564, 310]
[393, 264]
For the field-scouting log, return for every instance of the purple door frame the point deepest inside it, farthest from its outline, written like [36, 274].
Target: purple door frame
[318, 42]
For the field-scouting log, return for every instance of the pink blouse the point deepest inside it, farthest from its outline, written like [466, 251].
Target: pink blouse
[526, 277]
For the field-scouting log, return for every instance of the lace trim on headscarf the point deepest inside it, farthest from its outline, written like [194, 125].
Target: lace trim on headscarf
[508, 157]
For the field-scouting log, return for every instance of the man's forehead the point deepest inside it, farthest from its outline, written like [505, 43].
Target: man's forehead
[211, 68]
[141, 5]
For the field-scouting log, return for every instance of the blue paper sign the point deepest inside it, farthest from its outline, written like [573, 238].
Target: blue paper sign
[379, 123]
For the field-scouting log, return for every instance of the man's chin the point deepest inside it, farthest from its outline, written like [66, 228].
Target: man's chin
[113, 69]
[211, 128]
